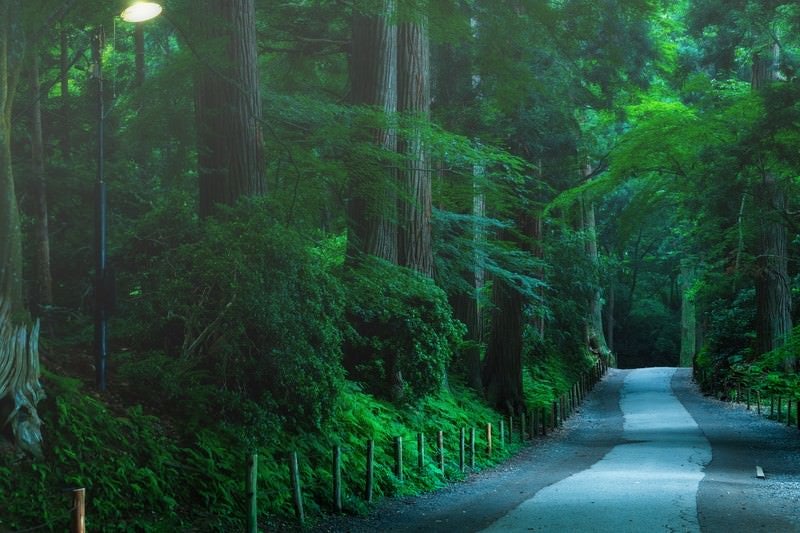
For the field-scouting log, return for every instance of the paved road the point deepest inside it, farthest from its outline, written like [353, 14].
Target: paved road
[646, 453]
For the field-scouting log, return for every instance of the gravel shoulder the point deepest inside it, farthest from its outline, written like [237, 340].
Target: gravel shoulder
[730, 497]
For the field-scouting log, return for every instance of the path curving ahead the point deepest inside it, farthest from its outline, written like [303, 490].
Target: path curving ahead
[648, 482]
[647, 452]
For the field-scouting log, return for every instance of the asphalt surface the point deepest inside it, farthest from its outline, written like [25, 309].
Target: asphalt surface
[646, 452]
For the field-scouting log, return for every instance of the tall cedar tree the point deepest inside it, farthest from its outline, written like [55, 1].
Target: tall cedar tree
[372, 207]
[413, 100]
[773, 295]
[19, 358]
[228, 106]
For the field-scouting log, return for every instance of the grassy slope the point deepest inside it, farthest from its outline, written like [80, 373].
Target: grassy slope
[144, 472]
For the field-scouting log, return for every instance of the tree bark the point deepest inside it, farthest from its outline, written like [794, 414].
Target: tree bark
[610, 317]
[228, 107]
[42, 294]
[688, 318]
[19, 356]
[597, 340]
[372, 207]
[64, 80]
[773, 293]
[413, 101]
[502, 371]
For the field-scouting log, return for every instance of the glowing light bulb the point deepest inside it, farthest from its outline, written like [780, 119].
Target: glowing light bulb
[141, 11]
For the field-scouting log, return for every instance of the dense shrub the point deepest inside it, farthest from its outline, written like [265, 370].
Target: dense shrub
[403, 332]
[250, 304]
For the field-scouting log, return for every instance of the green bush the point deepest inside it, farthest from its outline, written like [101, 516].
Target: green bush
[250, 307]
[403, 331]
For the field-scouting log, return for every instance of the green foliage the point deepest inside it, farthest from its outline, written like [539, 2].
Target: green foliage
[238, 303]
[403, 332]
[127, 464]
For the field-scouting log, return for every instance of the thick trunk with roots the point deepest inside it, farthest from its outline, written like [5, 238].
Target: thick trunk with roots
[20, 390]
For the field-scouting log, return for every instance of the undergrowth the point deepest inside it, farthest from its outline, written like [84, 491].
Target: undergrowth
[144, 473]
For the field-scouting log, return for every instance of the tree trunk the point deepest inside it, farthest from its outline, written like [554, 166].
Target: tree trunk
[19, 355]
[688, 318]
[597, 341]
[228, 107]
[502, 371]
[610, 317]
[42, 295]
[372, 207]
[773, 293]
[413, 100]
[64, 79]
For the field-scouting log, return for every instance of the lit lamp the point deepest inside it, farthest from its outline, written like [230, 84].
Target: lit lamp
[103, 281]
[141, 11]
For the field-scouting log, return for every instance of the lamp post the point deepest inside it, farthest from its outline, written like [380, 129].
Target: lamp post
[103, 279]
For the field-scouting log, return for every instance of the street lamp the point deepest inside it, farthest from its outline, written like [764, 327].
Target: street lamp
[141, 11]
[103, 281]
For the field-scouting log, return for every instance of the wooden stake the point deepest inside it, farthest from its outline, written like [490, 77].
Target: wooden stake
[420, 452]
[370, 473]
[440, 445]
[78, 515]
[510, 429]
[297, 494]
[489, 439]
[502, 433]
[472, 447]
[461, 450]
[522, 430]
[251, 489]
[337, 479]
[398, 458]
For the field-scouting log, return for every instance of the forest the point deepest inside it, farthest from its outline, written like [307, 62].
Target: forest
[268, 226]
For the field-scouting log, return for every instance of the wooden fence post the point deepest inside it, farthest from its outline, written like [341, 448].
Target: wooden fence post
[511, 429]
[297, 494]
[461, 450]
[370, 473]
[251, 491]
[337, 479]
[522, 430]
[489, 439]
[502, 433]
[440, 444]
[472, 447]
[398, 458]
[78, 513]
[420, 452]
